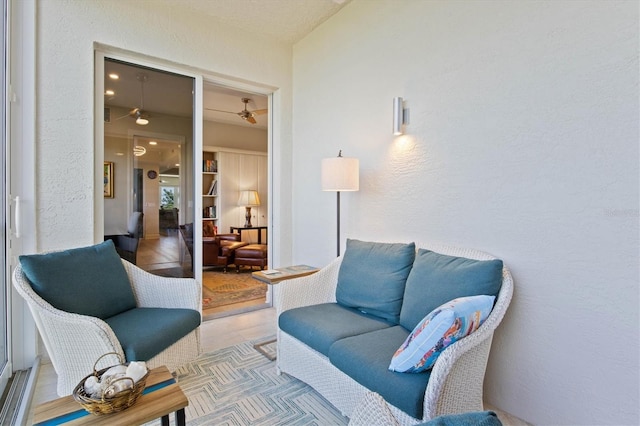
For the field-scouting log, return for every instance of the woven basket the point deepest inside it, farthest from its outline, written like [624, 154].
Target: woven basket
[108, 405]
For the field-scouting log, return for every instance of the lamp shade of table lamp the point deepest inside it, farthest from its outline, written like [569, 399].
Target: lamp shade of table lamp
[248, 199]
[340, 174]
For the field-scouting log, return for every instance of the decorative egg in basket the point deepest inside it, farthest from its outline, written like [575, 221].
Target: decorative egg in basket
[111, 389]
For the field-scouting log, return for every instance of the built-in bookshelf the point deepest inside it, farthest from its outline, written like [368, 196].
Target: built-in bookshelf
[210, 187]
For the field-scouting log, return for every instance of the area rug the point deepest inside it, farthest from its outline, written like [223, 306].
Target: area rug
[219, 289]
[239, 386]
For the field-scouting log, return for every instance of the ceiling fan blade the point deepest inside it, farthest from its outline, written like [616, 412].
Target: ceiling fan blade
[251, 120]
[121, 117]
[219, 110]
[260, 111]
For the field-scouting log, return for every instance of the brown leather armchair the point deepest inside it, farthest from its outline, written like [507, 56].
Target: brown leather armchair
[218, 250]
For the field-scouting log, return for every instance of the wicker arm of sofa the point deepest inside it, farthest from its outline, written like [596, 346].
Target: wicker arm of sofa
[153, 291]
[62, 331]
[457, 378]
[308, 290]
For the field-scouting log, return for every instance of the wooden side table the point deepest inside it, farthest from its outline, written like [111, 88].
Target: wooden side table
[161, 396]
[274, 276]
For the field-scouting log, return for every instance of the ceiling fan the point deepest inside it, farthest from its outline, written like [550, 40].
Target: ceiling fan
[140, 115]
[245, 114]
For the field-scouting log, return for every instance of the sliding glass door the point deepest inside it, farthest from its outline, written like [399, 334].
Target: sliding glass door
[148, 152]
[5, 372]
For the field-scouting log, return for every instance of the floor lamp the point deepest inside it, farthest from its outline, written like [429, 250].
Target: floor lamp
[340, 174]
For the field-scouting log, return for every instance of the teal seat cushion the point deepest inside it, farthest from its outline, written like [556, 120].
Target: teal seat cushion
[87, 280]
[365, 358]
[319, 326]
[372, 277]
[145, 332]
[437, 278]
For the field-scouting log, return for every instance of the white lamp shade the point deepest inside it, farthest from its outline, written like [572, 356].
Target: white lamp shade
[249, 198]
[340, 174]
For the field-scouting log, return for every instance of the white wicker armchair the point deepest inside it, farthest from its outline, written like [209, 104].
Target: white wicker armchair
[456, 381]
[74, 342]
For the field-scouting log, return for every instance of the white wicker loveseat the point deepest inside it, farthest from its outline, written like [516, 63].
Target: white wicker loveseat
[74, 342]
[456, 381]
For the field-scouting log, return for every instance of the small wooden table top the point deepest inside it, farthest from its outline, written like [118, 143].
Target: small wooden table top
[161, 396]
[274, 276]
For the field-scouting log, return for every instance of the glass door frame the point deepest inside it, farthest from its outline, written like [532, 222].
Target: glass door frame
[100, 53]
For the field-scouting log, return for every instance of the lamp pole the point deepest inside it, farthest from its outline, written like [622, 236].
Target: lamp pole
[338, 221]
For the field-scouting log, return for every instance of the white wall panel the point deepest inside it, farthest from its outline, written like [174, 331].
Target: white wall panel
[67, 31]
[523, 142]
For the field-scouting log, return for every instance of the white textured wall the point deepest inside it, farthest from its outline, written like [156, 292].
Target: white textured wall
[66, 31]
[524, 143]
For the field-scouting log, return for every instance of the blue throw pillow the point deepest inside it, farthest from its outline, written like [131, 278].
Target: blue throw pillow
[444, 326]
[372, 277]
[437, 278]
[87, 281]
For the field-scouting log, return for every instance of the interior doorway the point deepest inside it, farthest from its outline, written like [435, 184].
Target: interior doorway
[235, 140]
[138, 130]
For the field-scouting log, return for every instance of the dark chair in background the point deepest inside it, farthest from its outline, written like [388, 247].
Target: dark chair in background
[217, 250]
[127, 244]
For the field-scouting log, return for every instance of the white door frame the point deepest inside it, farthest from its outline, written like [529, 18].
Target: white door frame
[101, 52]
[21, 178]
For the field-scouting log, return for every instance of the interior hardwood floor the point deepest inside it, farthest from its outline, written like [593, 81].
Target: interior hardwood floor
[165, 252]
[216, 334]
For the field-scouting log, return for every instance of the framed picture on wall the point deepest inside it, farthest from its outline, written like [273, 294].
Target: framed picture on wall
[108, 179]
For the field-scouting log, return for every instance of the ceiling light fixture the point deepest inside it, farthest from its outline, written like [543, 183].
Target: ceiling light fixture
[153, 143]
[142, 121]
[109, 92]
[114, 76]
[139, 151]
[141, 117]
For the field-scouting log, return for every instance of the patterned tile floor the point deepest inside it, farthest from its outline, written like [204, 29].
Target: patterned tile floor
[217, 334]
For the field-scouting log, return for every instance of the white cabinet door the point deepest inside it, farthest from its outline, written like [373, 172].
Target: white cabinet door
[238, 172]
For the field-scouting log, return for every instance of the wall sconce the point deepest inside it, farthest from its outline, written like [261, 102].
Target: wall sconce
[400, 116]
[248, 199]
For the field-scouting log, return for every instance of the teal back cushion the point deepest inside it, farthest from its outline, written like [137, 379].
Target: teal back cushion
[88, 280]
[372, 277]
[437, 278]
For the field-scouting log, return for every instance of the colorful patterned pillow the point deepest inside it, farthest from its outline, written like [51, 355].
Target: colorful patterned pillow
[443, 326]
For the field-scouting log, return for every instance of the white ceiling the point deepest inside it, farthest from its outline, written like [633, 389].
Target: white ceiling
[170, 94]
[164, 93]
[285, 20]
